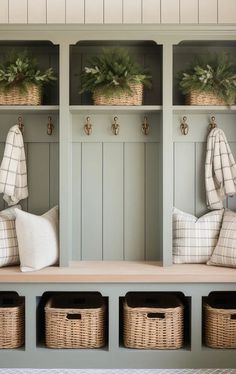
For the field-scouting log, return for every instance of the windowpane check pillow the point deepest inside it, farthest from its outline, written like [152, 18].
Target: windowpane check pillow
[194, 239]
[9, 254]
[224, 253]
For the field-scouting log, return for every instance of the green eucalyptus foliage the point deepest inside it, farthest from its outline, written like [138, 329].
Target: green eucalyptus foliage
[21, 70]
[112, 72]
[214, 73]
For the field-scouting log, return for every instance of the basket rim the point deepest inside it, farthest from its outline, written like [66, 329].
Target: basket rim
[152, 309]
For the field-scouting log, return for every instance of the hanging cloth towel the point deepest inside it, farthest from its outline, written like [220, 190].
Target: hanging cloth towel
[220, 170]
[13, 173]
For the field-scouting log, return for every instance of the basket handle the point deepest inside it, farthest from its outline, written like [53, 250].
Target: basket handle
[156, 315]
[73, 316]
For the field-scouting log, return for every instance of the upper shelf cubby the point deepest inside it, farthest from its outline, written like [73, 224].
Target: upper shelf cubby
[186, 52]
[46, 55]
[147, 53]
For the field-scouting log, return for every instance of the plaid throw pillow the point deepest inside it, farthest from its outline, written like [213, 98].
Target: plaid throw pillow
[224, 253]
[194, 239]
[9, 254]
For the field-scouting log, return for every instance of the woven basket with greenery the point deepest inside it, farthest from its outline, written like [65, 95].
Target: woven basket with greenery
[135, 97]
[209, 80]
[196, 97]
[32, 95]
[21, 81]
[114, 78]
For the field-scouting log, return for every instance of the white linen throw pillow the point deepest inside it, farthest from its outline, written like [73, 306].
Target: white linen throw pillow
[9, 254]
[224, 253]
[37, 239]
[194, 239]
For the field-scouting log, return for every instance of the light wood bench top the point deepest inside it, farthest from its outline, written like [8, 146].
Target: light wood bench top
[121, 272]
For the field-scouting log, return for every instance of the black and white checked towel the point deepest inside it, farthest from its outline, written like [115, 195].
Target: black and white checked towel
[13, 172]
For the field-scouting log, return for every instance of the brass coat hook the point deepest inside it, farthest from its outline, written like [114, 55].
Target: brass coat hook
[50, 126]
[21, 124]
[145, 126]
[184, 127]
[213, 124]
[88, 127]
[115, 126]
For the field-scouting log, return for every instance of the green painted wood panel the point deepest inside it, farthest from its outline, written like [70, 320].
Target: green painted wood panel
[200, 196]
[53, 174]
[38, 177]
[134, 203]
[152, 199]
[184, 190]
[76, 193]
[92, 240]
[113, 201]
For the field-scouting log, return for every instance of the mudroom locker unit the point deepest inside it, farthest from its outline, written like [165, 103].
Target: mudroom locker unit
[116, 192]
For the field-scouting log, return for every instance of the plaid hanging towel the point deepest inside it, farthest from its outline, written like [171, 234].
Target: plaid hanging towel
[13, 172]
[220, 170]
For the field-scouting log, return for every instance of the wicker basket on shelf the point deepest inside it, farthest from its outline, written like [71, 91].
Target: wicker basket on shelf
[220, 321]
[11, 321]
[127, 98]
[204, 98]
[153, 321]
[75, 321]
[16, 96]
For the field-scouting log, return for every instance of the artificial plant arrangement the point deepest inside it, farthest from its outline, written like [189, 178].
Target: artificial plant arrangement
[21, 80]
[114, 78]
[209, 80]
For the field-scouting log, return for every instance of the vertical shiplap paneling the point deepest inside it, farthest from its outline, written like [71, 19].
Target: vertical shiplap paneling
[153, 214]
[113, 201]
[56, 11]
[185, 177]
[2, 147]
[17, 11]
[226, 11]
[92, 201]
[38, 177]
[76, 193]
[37, 11]
[151, 11]
[74, 11]
[134, 201]
[113, 11]
[200, 199]
[231, 203]
[3, 11]
[208, 11]
[132, 11]
[93, 11]
[54, 174]
[188, 11]
[169, 11]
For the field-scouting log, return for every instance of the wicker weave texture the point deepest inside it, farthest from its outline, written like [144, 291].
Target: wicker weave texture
[134, 98]
[87, 330]
[15, 96]
[143, 332]
[12, 326]
[219, 327]
[203, 98]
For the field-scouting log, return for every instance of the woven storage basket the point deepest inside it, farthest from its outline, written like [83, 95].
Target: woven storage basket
[204, 98]
[75, 321]
[220, 322]
[11, 321]
[134, 98]
[153, 321]
[15, 96]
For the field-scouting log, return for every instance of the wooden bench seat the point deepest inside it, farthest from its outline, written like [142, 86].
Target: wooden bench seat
[121, 272]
